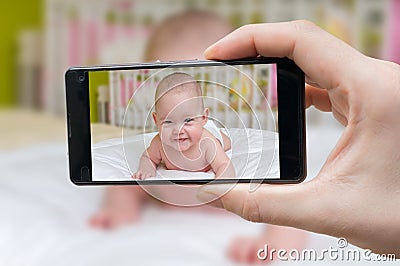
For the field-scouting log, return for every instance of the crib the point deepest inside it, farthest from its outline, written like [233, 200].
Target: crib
[243, 96]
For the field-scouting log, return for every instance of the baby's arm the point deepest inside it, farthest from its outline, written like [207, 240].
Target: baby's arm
[151, 157]
[219, 161]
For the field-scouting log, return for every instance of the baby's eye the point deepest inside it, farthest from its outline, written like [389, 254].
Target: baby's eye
[166, 122]
[188, 120]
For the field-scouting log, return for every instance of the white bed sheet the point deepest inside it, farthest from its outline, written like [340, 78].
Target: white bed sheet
[254, 153]
[43, 218]
[43, 222]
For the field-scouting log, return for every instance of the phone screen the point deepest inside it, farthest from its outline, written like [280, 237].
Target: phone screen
[185, 123]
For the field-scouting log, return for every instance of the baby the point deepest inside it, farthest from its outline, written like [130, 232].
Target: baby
[181, 37]
[183, 141]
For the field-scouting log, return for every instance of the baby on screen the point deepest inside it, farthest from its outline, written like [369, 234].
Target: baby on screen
[185, 140]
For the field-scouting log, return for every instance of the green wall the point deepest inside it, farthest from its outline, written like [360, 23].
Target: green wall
[96, 79]
[14, 17]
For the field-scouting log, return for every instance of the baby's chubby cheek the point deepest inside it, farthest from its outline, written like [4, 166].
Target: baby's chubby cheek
[165, 135]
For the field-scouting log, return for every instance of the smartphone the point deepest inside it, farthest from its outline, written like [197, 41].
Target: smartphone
[253, 109]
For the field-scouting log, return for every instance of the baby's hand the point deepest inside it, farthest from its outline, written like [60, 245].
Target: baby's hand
[143, 174]
[149, 160]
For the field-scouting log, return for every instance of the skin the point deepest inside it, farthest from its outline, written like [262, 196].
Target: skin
[182, 142]
[356, 194]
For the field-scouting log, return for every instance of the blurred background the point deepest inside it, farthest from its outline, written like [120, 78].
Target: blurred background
[44, 217]
[41, 38]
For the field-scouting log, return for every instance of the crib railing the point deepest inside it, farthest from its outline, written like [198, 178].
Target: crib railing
[240, 96]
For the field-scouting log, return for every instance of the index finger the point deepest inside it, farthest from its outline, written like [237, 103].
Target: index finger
[324, 59]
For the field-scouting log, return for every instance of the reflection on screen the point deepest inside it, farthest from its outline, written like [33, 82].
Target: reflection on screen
[241, 103]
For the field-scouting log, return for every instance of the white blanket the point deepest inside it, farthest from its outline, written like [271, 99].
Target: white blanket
[43, 220]
[254, 153]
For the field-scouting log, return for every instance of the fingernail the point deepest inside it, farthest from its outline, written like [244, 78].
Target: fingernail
[208, 52]
[218, 189]
[209, 193]
[206, 197]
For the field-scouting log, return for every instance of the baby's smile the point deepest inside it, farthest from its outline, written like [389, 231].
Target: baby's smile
[180, 140]
[183, 143]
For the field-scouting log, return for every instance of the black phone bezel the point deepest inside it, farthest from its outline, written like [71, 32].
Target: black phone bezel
[291, 121]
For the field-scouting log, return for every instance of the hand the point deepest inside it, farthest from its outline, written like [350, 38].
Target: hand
[356, 194]
[143, 174]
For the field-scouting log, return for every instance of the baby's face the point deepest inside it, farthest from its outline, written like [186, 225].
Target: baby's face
[180, 119]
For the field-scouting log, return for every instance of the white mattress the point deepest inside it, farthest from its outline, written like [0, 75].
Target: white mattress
[43, 218]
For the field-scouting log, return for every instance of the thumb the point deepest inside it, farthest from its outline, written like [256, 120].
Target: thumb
[295, 205]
